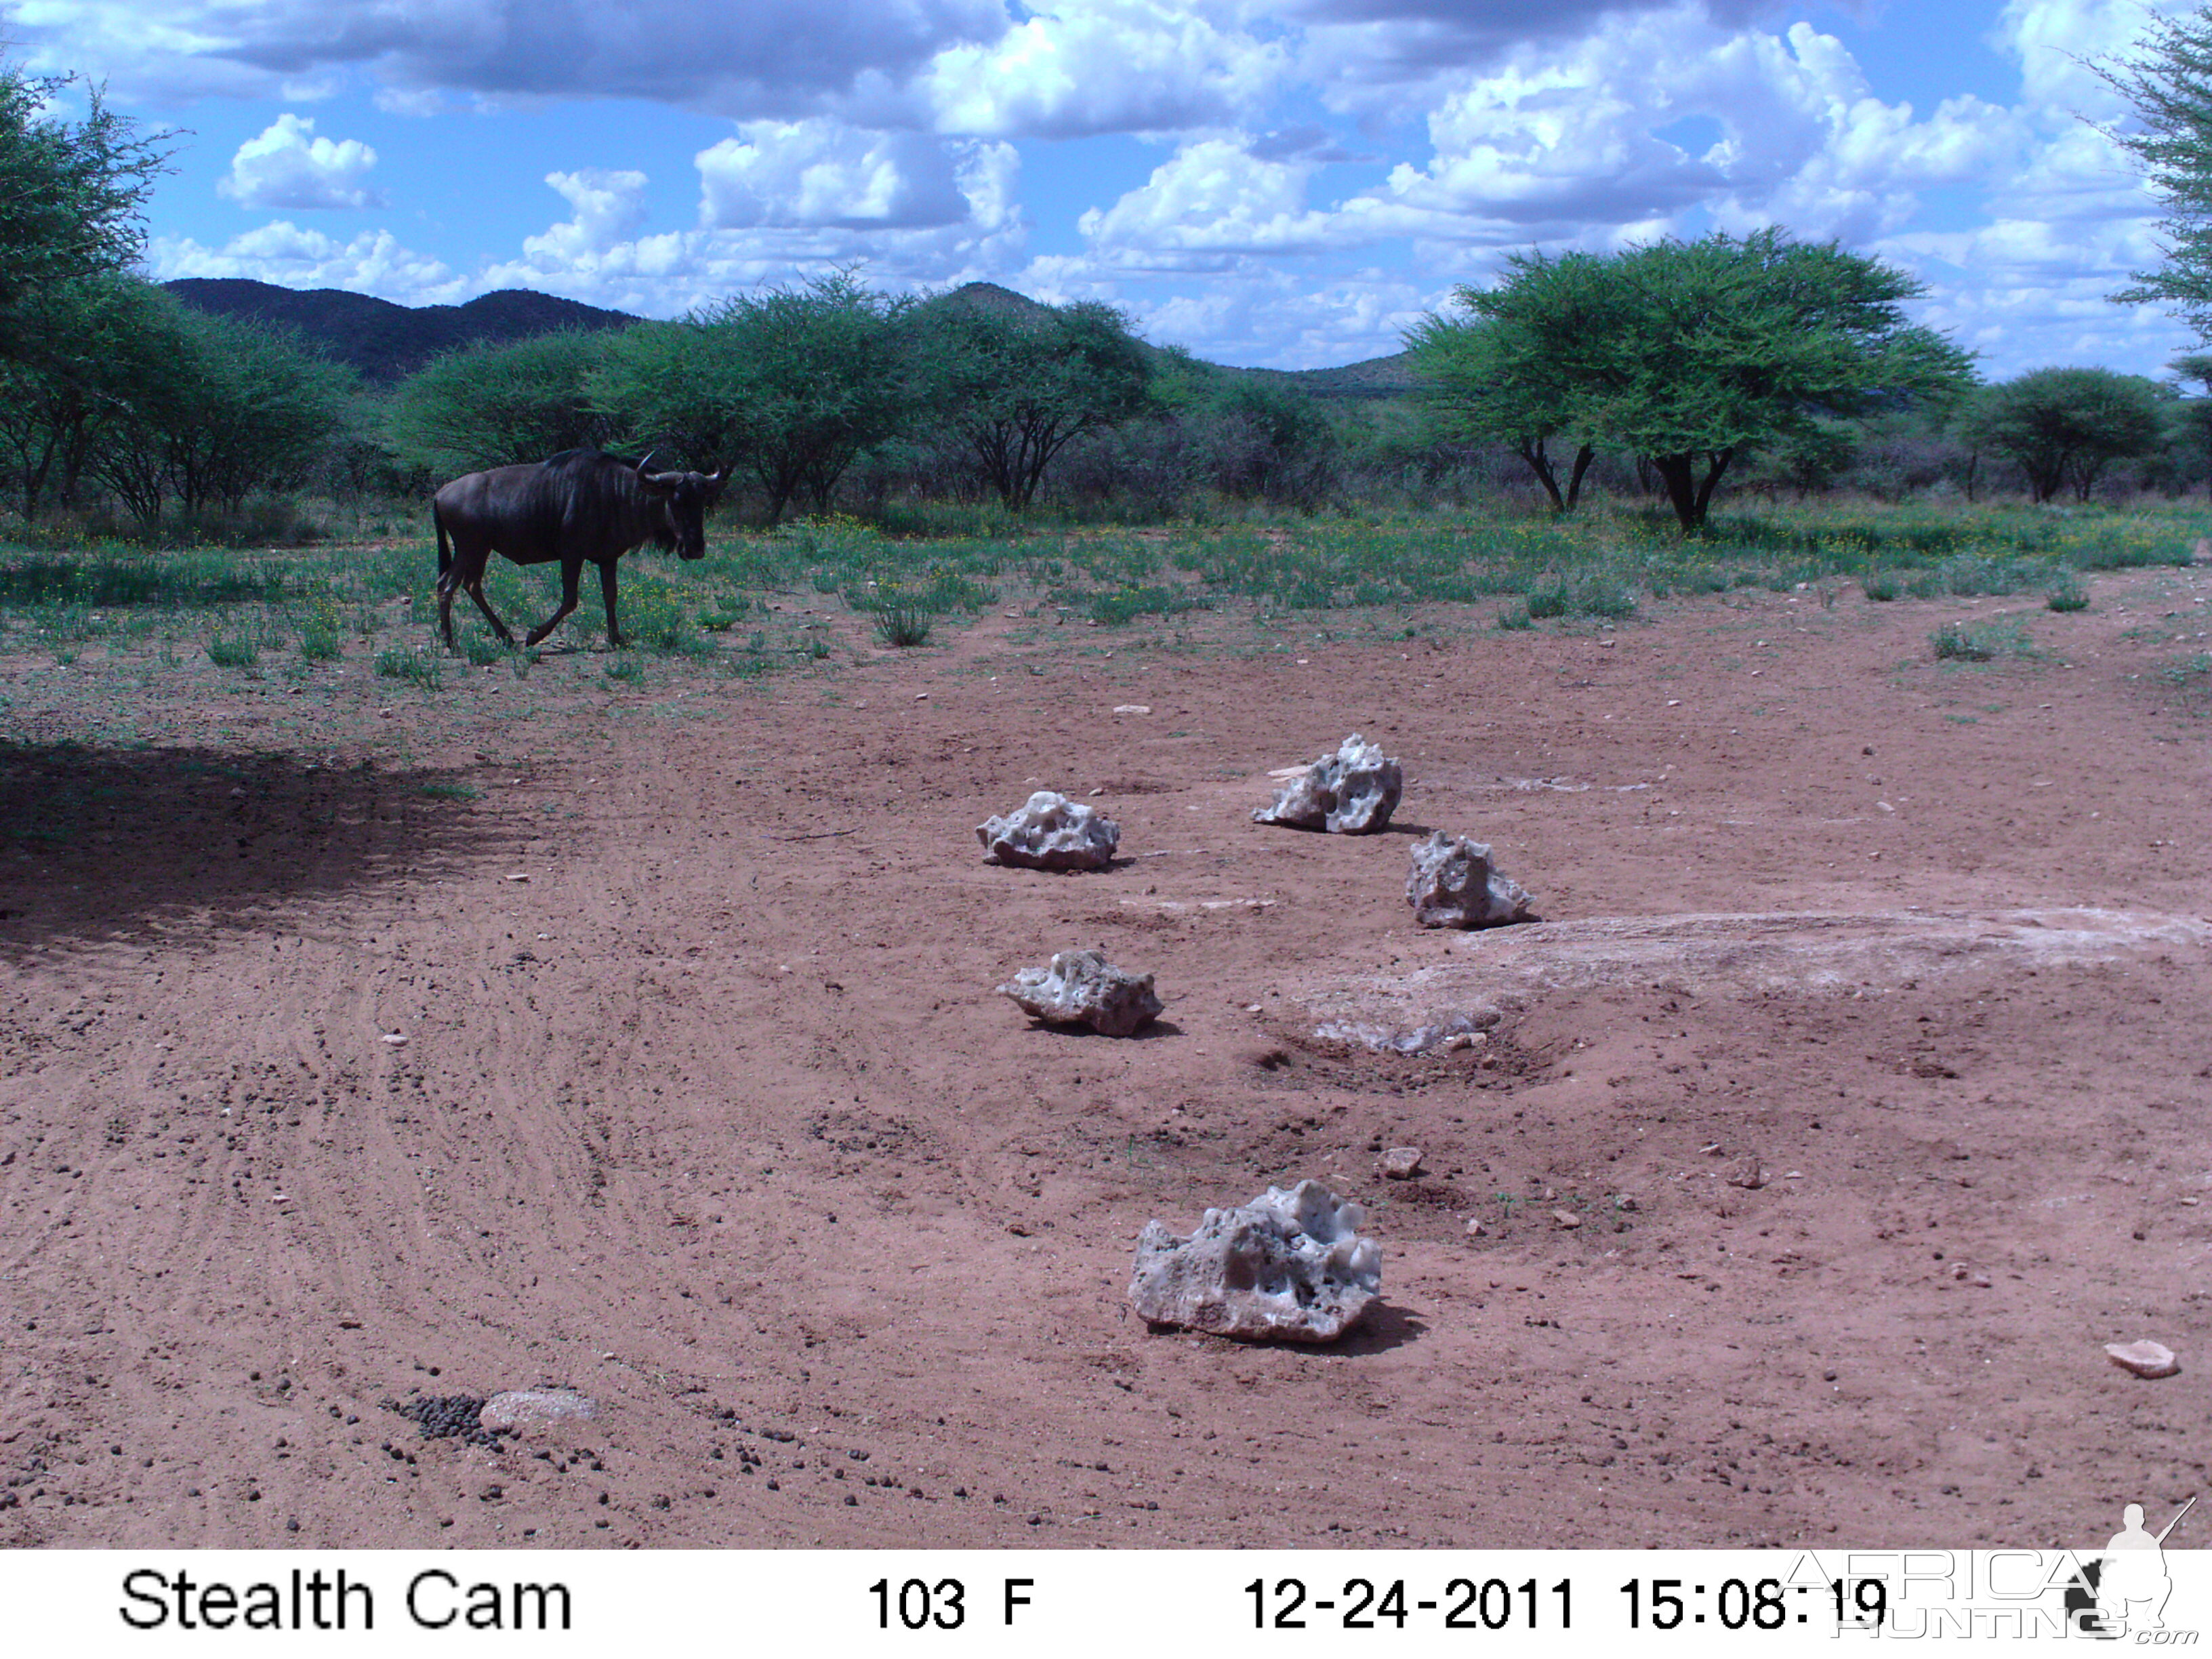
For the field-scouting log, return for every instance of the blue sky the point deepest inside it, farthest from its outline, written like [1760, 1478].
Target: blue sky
[1290, 184]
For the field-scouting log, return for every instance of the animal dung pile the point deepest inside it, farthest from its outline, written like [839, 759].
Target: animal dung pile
[1289, 1267]
[1453, 884]
[1351, 792]
[452, 1416]
[1082, 987]
[1050, 832]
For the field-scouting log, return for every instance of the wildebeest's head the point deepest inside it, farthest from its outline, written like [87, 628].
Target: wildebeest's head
[684, 497]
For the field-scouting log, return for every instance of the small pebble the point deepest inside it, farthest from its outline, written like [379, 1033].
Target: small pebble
[1474, 1228]
[1566, 1219]
[1399, 1164]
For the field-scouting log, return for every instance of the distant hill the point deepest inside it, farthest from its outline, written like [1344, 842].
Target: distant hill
[387, 342]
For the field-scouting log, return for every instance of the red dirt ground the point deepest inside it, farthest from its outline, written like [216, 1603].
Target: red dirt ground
[716, 1117]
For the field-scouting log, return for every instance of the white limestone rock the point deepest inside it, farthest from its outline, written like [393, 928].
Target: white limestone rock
[1351, 792]
[526, 1409]
[1289, 1267]
[1453, 884]
[2144, 1359]
[1050, 832]
[1082, 987]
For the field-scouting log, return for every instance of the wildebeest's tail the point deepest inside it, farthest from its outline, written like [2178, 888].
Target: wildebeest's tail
[445, 551]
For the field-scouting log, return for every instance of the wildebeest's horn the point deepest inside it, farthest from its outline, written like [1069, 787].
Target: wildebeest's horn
[647, 461]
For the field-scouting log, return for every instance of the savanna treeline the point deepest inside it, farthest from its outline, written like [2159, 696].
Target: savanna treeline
[1674, 376]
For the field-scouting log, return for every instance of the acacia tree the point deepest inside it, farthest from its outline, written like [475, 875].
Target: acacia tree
[2063, 427]
[71, 196]
[488, 405]
[1492, 374]
[1019, 385]
[2194, 417]
[794, 383]
[1695, 353]
[208, 410]
[2170, 84]
[98, 337]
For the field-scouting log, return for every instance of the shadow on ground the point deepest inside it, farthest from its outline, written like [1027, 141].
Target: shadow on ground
[98, 841]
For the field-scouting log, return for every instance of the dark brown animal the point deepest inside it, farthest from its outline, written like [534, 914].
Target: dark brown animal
[577, 506]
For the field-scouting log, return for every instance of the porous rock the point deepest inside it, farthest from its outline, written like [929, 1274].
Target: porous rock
[1289, 1267]
[1082, 987]
[1453, 884]
[1048, 831]
[523, 1408]
[1351, 792]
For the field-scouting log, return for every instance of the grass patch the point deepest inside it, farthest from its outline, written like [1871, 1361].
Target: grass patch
[2191, 678]
[2066, 593]
[1981, 642]
[421, 668]
[453, 791]
[903, 625]
[232, 651]
[1515, 617]
[627, 667]
[482, 650]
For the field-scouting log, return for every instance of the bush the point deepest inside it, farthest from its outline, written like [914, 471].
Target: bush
[225, 651]
[1515, 617]
[1980, 641]
[1882, 587]
[903, 625]
[1549, 597]
[2066, 594]
[421, 667]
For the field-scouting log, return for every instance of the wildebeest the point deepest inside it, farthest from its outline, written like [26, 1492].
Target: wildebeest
[580, 504]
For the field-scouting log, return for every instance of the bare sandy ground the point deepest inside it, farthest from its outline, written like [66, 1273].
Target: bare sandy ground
[1865, 1041]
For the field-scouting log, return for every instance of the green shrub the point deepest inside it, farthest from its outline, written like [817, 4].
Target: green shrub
[2066, 594]
[1881, 586]
[627, 667]
[483, 650]
[1600, 595]
[1980, 641]
[421, 668]
[1550, 598]
[1515, 617]
[319, 643]
[232, 651]
[903, 625]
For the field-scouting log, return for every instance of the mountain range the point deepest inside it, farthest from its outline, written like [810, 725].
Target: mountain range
[385, 342]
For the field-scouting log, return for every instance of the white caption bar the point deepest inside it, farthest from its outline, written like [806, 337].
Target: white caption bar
[994, 1603]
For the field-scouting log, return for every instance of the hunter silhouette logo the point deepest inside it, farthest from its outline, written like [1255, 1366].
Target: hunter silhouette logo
[2122, 1591]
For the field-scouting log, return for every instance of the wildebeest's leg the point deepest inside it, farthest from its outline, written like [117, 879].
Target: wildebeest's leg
[572, 571]
[607, 592]
[477, 593]
[445, 576]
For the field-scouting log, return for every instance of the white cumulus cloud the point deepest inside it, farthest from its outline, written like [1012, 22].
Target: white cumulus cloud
[820, 171]
[1092, 66]
[818, 206]
[375, 261]
[288, 168]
